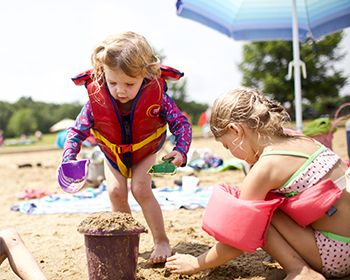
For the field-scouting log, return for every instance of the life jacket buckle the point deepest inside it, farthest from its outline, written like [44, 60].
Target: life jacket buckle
[126, 148]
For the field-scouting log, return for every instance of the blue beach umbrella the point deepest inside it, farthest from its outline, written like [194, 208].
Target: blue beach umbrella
[268, 20]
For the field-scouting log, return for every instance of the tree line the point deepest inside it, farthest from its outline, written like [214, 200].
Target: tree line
[27, 116]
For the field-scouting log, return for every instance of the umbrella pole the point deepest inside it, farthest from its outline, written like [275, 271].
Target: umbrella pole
[297, 64]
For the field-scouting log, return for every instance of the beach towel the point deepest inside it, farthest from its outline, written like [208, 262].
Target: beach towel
[200, 165]
[95, 200]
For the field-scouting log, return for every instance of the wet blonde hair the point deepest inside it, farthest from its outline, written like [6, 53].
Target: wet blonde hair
[127, 51]
[249, 107]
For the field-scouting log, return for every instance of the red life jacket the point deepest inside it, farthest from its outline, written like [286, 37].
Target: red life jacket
[142, 134]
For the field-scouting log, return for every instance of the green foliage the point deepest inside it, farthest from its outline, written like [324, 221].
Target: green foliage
[329, 105]
[177, 91]
[6, 111]
[265, 67]
[22, 122]
[194, 110]
[26, 116]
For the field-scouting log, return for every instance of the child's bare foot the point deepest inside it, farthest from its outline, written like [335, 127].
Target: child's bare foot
[161, 252]
[305, 274]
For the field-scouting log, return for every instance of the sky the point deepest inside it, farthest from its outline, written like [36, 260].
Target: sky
[44, 43]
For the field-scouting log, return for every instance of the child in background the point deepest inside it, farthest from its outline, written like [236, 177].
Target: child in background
[2, 138]
[250, 126]
[128, 112]
[204, 122]
[20, 258]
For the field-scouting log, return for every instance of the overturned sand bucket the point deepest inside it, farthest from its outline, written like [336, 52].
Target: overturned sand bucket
[111, 245]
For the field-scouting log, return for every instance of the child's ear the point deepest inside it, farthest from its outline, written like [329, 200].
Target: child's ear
[236, 129]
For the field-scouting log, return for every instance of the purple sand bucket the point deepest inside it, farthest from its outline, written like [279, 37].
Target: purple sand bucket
[72, 176]
[112, 255]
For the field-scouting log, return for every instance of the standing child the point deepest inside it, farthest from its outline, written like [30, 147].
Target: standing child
[128, 112]
[311, 237]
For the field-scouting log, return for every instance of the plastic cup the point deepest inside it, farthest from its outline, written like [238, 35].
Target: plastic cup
[189, 184]
[72, 176]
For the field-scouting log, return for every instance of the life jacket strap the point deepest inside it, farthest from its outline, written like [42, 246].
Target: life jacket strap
[126, 148]
[120, 149]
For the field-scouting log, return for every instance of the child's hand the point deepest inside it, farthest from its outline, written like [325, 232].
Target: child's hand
[72, 175]
[182, 264]
[178, 159]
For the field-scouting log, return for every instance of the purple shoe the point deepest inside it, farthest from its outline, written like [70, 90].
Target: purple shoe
[72, 176]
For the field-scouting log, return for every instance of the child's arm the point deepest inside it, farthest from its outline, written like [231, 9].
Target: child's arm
[179, 126]
[219, 254]
[267, 174]
[78, 133]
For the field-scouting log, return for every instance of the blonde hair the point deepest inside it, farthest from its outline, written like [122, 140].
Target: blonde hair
[127, 51]
[249, 107]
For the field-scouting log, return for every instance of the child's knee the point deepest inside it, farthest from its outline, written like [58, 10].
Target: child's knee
[115, 193]
[9, 239]
[142, 193]
[9, 234]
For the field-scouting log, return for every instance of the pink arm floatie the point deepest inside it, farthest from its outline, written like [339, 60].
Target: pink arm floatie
[311, 204]
[243, 223]
[239, 223]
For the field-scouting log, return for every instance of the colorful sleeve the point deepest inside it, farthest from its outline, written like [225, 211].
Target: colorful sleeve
[178, 124]
[78, 133]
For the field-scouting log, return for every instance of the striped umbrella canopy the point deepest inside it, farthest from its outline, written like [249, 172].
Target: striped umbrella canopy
[268, 20]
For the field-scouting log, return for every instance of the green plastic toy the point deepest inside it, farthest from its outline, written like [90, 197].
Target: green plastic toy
[165, 168]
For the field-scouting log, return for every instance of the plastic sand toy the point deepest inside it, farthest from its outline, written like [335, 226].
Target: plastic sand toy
[165, 168]
[72, 176]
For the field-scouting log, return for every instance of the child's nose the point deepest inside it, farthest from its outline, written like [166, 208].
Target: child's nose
[120, 89]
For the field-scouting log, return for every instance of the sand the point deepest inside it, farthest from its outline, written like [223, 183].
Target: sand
[110, 223]
[59, 247]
